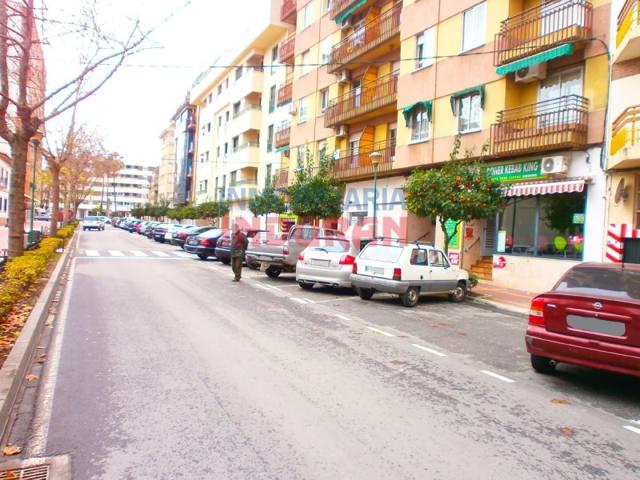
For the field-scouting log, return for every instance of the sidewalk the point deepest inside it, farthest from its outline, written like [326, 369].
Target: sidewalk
[516, 301]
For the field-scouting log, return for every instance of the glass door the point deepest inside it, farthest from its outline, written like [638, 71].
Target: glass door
[563, 87]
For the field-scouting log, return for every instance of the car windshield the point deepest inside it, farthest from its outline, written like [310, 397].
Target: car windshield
[333, 245]
[597, 281]
[211, 233]
[91, 219]
[381, 253]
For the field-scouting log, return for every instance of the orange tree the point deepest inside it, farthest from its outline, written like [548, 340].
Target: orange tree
[459, 191]
[266, 202]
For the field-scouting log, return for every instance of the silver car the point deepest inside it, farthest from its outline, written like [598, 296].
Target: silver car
[326, 261]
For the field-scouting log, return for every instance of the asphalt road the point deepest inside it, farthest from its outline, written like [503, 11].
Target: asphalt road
[161, 367]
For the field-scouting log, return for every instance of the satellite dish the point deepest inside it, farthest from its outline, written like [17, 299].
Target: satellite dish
[621, 192]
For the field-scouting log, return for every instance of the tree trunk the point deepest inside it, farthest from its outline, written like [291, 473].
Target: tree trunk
[19, 149]
[54, 169]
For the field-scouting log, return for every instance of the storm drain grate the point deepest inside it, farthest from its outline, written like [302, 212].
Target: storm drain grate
[35, 472]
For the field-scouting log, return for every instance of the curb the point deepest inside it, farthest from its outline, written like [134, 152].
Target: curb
[499, 306]
[19, 358]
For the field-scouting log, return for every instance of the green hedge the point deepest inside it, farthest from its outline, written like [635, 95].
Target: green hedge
[20, 272]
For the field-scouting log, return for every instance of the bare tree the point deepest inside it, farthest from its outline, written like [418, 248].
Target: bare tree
[22, 86]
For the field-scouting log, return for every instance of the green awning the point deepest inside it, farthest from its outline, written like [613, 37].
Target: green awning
[426, 104]
[463, 93]
[561, 51]
[282, 149]
[342, 18]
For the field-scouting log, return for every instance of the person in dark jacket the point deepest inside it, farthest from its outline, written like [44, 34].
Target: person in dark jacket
[239, 245]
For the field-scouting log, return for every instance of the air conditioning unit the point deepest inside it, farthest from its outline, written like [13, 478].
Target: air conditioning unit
[531, 73]
[342, 131]
[344, 76]
[557, 165]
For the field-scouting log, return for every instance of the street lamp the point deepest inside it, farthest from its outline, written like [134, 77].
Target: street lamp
[375, 161]
[220, 193]
[33, 188]
[115, 205]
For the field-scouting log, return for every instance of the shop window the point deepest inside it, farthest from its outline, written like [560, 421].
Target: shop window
[543, 226]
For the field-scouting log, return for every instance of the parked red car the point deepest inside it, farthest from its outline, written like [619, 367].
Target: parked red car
[590, 318]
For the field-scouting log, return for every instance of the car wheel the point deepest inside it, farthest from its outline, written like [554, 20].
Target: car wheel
[542, 364]
[410, 297]
[365, 293]
[202, 256]
[273, 272]
[459, 293]
[305, 285]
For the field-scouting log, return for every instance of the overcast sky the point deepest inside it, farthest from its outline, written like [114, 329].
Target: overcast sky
[135, 106]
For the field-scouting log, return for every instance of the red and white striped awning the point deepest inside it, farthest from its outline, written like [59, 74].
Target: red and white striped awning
[546, 187]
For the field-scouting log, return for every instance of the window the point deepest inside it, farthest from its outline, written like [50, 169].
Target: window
[236, 109]
[267, 176]
[307, 15]
[219, 120]
[560, 86]
[592, 281]
[235, 142]
[419, 124]
[300, 157]
[219, 89]
[206, 156]
[270, 138]
[324, 99]
[469, 112]
[205, 185]
[272, 99]
[356, 87]
[217, 152]
[303, 110]
[306, 66]
[325, 49]
[425, 48]
[226, 82]
[418, 257]
[210, 97]
[322, 150]
[327, 5]
[208, 127]
[239, 72]
[226, 149]
[544, 225]
[274, 59]
[226, 116]
[473, 31]
[436, 259]
[233, 179]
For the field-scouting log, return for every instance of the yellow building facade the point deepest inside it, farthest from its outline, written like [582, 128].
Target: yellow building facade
[167, 168]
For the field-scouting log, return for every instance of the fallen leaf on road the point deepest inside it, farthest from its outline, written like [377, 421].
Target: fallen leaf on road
[567, 431]
[560, 401]
[31, 378]
[11, 450]
[9, 475]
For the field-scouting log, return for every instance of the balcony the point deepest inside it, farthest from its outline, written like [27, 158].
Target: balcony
[341, 9]
[285, 94]
[288, 11]
[625, 139]
[287, 50]
[366, 43]
[555, 124]
[375, 98]
[628, 32]
[360, 166]
[251, 82]
[281, 178]
[283, 136]
[246, 155]
[541, 28]
[246, 120]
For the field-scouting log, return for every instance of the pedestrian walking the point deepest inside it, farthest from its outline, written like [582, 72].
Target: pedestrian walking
[238, 247]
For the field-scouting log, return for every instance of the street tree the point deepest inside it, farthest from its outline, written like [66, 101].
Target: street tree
[457, 192]
[314, 192]
[266, 202]
[79, 176]
[25, 102]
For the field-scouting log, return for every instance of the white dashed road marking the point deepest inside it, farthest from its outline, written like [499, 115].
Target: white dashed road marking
[299, 300]
[342, 317]
[160, 254]
[138, 253]
[632, 429]
[261, 286]
[499, 377]
[183, 254]
[381, 332]
[92, 253]
[430, 350]
[116, 253]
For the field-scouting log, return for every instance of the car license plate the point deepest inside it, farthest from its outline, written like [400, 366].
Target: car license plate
[319, 263]
[263, 259]
[596, 325]
[374, 270]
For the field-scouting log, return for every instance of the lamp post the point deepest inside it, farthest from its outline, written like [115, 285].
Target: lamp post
[375, 161]
[33, 188]
[115, 205]
[220, 192]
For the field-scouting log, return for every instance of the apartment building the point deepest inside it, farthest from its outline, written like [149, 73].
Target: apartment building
[238, 119]
[624, 161]
[167, 168]
[385, 86]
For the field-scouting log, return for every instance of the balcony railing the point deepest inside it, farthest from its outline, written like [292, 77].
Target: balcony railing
[549, 125]
[373, 96]
[247, 108]
[244, 146]
[287, 50]
[283, 136]
[541, 28]
[629, 18]
[244, 182]
[360, 164]
[281, 178]
[288, 11]
[365, 39]
[285, 93]
[339, 6]
[625, 131]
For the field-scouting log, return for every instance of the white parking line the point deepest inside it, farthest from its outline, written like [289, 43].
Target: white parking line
[299, 300]
[261, 286]
[632, 429]
[430, 350]
[381, 332]
[138, 253]
[92, 253]
[116, 253]
[159, 254]
[309, 300]
[499, 377]
[272, 287]
[342, 317]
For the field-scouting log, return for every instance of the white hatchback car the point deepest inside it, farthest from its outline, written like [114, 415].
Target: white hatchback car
[326, 261]
[92, 223]
[408, 269]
